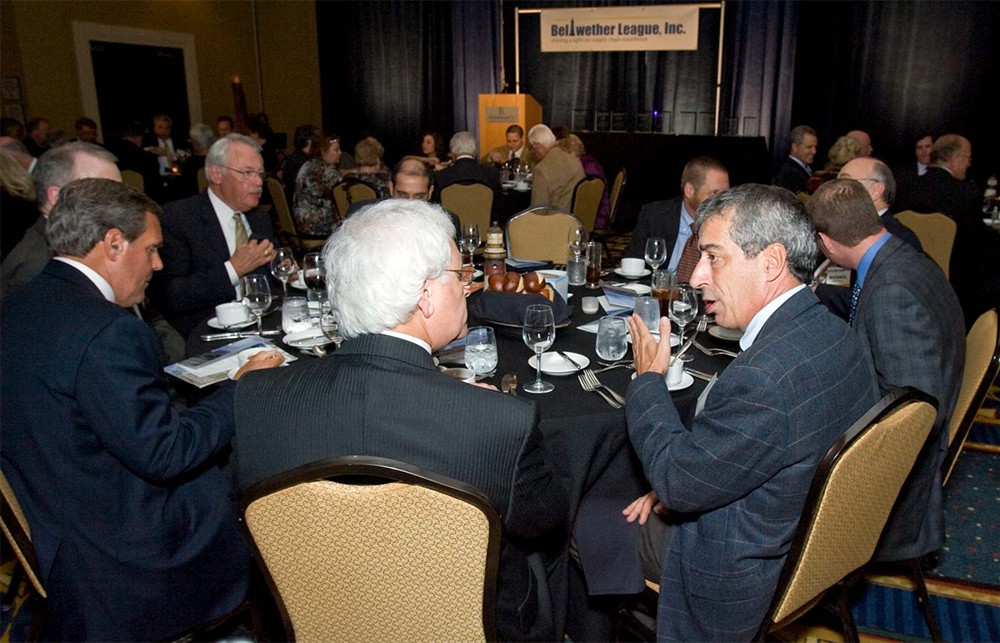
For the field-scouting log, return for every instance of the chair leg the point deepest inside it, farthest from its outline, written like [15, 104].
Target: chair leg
[843, 606]
[924, 599]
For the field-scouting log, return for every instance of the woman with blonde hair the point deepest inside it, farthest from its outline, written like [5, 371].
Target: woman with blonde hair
[371, 169]
[18, 206]
[844, 150]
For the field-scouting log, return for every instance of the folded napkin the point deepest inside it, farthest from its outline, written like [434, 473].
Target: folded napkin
[509, 307]
[519, 264]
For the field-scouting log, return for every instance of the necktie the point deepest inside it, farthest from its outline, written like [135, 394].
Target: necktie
[241, 230]
[689, 258]
[855, 296]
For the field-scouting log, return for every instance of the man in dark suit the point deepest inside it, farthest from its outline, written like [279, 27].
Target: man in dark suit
[136, 536]
[464, 167]
[701, 178]
[735, 483]
[910, 324]
[213, 239]
[380, 394]
[908, 174]
[795, 171]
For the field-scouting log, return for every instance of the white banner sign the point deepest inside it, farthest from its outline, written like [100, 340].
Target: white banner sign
[653, 28]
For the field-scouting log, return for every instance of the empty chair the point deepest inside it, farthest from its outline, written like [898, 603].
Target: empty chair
[471, 201]
[134, 180]
[587, 201]
[540, 233]
[936, 233]
[369, 549]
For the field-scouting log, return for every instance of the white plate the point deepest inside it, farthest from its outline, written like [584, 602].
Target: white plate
[555, 364]
[214, 323]
[728, 334]
[629, 275]
[675, 341]
[686, 380]
[307, 339]
[517, 189]
[639, 289]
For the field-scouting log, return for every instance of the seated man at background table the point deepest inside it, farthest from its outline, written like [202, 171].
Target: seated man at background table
[132, 520]
[909, 321]
[728, 493]
[397, 288]
[556, 173]
[214, 239]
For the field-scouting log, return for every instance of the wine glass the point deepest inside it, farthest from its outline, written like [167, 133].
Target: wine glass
[481, 350]
[314, 273]
[682, 311]
[576, 240]
[283, 267]
[328, 324]
[257, 295]
[539, 332]
[656, 252]
[470, 239]
[612, 339]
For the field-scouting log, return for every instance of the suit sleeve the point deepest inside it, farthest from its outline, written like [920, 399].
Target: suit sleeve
[541, 192]
[123, 396]
[731, 449]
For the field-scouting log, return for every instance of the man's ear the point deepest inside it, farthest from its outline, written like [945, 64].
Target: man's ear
[52, 194]
[430, 192]
[689, 190]
[113, 244]
[775, 260]
[214, 174]
[424, 305]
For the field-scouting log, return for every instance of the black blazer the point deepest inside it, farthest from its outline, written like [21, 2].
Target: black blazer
[656, 219]
[465, 169]
[792, 176]
[194, 278]
[383, 396]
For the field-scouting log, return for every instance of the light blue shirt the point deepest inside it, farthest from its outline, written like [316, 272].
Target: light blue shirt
[683, 233]
[868, 257]
[802, 163]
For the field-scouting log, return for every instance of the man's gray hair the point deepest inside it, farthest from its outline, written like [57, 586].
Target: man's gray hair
[55, 167]
[219, 152]
[799, 133]
[203, 134]
[947, 146]
[882, 172]
[760, 215]
[542, 135]
[462, 144]
[88, 208]
[379, 259]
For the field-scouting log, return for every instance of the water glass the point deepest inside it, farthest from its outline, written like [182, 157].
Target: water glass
[295, 315]
[283, 267]
[576, 270]
[612, 338]
[481, 350]
[538, 332]
[575, 240]
[257, 296]
[656, 252]
[593, 264]
[649, 310]
[682, 311]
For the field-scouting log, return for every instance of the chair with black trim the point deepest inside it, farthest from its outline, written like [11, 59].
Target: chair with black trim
[587, 200]
[540, 233]
[852, 492]
[350, 191]
[617, 187]
[16, 530]
[471, 201]
[936, 233]
[361, 548]
[288, 234]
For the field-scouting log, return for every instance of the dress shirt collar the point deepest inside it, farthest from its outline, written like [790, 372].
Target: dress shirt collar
[102, 284]
[465, 156]
[758, 321]
[409, 338]
[921, 169]
[800, 162]
[866, 259]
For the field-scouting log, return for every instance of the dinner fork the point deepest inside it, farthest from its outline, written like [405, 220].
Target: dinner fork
[587, 386]
[713, 352]
[592, 379]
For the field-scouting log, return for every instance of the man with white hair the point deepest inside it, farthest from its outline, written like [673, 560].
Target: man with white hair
[864, 141]
[380, 394]
[464, 166]
[556, 174]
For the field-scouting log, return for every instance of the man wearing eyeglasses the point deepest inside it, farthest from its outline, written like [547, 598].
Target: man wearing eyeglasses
[214, 239]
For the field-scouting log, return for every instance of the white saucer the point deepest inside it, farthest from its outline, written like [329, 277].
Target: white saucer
[639, 289]
[517, 189]
[307, 339]
[214, 323]
[686, 380]
[674, 339]
[298, 282]
[728, 334]
[632, 275]
[555, 364]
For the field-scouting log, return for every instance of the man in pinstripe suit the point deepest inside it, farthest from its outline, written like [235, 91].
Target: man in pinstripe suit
[909, 321]
[733, 486]
[398, 290]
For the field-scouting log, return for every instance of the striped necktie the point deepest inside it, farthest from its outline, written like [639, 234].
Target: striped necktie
[241, 230]
[689, 258]
[855, 296]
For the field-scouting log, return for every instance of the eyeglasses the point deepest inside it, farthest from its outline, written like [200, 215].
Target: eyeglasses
[465, 274]
[246, 175]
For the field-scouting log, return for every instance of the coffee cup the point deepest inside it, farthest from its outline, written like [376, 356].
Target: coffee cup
[633, 266]
[231, 313]
[590, 305]
[675, 373]
[467, 375]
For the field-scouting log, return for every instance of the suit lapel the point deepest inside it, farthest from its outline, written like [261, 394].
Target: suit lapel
[887, 250]
[213, 230]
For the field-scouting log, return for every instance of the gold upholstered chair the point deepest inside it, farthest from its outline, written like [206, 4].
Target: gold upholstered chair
[349, 191]
[134, 180]
[587, 201]
[287, 233]
[360, 548]
[16, 530]
[471, 201]
[540, 233]
[617, 187]
[936, 233]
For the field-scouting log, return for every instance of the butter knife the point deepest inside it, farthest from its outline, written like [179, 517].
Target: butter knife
[214, 337]
[569, 359]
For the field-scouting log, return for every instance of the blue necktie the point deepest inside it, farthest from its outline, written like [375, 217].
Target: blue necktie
[855, 296]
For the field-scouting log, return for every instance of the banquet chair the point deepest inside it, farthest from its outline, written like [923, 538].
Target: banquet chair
[362, 548]
[202, 180]
[587, 200]
[471, 201]
[936, 233]
[134, 180]
[852, 492]
[540, 233]
[16, 530]
[351, 190]
[616, 194]
[982, 362]
[287, 233]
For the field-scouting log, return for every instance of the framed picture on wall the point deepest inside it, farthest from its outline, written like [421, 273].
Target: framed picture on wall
[10, 89]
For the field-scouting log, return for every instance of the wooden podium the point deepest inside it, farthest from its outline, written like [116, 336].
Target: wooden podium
[497, 112]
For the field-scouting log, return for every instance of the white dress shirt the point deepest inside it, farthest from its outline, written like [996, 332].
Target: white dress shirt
[225, 215]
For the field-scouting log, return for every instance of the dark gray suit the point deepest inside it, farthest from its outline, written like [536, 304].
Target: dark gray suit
[465, 169]
[737, 481]
[382, 396]
[656, 219]
[792, 176]
[910, 323]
